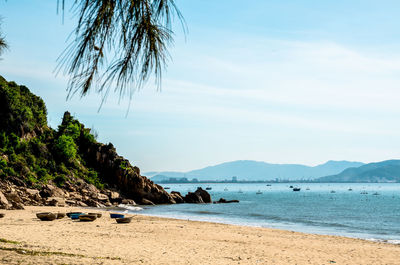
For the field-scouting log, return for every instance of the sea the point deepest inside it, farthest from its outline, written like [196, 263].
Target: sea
[359, 210]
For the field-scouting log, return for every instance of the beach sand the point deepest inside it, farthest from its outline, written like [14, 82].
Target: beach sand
[152, 240]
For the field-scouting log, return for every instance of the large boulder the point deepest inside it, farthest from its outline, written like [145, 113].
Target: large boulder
[51, 191]
[192, 197]
[204, 195]
[4, 204]
[55, 201]
[199, 196]
[177, 197]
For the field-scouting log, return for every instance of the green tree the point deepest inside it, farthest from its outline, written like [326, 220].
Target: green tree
[66, 146]
[3, 43]
[133, 35]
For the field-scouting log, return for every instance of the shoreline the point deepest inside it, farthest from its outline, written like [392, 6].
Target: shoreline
[323, 231]
[378, 240]
[155, 240]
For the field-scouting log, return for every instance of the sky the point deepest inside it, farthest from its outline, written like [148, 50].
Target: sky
[280, 81]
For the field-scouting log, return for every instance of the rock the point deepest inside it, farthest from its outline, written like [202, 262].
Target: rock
[55, 201]
[114, 195]
[146, 202]
[121, 175]
[204, 195]
[51, 191]
[102, 197]
[222, 200]
[177, 197]
[13, 197]
[4, 204]
[32, 192]
[75, 196]
[17, 206]
[70, 202]
[192, 197]
[128, 202]
[81, 204]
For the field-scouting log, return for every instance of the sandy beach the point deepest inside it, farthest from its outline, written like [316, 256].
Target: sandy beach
[150, 240]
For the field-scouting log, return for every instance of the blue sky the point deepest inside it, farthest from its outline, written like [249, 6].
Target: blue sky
[276, 81]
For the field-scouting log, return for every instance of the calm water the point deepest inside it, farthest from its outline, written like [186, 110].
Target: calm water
[315, 209]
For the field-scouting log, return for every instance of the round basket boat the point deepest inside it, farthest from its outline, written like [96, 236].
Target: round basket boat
[116, 215]
[97, 214]
[87, 218]
[2, 215]
[75, 216]
[73, 213]
[46, 216]
[125, 220]
[60, 215]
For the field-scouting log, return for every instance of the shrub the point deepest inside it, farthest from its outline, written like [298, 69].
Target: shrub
[66, 146]
[60, 180]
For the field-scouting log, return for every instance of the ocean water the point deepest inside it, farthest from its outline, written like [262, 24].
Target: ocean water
[318, 208]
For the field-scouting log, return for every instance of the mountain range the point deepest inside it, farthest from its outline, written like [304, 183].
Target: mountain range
[254, 170]
[385, 171]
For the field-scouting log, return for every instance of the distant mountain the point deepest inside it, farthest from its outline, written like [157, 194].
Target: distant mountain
[254, 170]
[385, 171]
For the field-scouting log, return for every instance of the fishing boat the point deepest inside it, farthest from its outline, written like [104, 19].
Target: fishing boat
[46, 216]
[87, 217]
[259, 192]
[296, 189]
[125, 220]
[116, 215]
[208, 188]
[71, 213]
[97, 214]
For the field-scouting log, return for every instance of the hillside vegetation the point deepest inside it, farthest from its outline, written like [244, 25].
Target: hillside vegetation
[38, 157]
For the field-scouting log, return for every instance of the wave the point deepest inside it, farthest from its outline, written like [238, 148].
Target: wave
[130, 207]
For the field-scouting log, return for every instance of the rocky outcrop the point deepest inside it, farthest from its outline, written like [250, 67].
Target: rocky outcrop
[122, 176]
[199, 196]
[177, 197]
[222, 200]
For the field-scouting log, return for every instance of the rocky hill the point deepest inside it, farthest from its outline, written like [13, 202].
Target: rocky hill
[40, 165]
[385, 171]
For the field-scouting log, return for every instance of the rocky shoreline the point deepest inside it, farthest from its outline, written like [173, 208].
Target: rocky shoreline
[82, 194]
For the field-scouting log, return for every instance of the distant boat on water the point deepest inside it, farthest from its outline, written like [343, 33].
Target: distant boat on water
[208, 188]
[166, 188]
[291, 186]
[332, 191]
[308, 188]
[259, 192]
[375, 193]
[296, 189]
[240, 191]
[363, 192]
[226, 189]
[350, 189]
